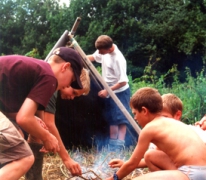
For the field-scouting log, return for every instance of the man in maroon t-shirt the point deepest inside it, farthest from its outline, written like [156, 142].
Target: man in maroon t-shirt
[26, 85]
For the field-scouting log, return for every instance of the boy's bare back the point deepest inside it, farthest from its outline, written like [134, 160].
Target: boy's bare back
[175, 139]
[180, 145]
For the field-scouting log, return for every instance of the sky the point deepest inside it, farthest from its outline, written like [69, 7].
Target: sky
[64, 1]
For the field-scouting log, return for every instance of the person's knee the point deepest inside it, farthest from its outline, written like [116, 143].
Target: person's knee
[29, 161]
[148, 156]
[26, 163]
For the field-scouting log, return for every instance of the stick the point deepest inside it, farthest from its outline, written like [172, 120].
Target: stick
[76, 24]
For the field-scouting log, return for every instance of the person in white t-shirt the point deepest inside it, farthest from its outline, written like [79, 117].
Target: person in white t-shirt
[114, 73]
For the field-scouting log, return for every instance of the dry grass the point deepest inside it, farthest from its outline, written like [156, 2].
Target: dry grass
[94, 165]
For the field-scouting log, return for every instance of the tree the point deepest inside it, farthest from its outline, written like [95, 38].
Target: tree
[27, 24]
[171, 31]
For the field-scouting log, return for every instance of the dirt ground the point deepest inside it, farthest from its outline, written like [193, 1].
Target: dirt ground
[94, 165]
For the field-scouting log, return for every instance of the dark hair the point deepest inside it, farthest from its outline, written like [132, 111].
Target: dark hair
[103, 42]
[148, 97]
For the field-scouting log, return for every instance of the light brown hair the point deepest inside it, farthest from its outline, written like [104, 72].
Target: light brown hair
[172, 103]
[148, 97]
[85, 80]
[103, 42]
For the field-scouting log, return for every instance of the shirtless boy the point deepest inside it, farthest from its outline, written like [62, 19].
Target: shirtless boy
[169, 136]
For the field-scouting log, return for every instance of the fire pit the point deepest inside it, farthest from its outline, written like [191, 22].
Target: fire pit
[94, 165]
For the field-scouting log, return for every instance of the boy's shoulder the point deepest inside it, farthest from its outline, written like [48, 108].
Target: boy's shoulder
[153, 126]
[162, 123]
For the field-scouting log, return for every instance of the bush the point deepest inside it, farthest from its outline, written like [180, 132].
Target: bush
[192, 91]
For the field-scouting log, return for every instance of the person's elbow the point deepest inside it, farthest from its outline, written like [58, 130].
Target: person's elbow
[123, 83]
[90, 57]
[21, 119]
[50, 125]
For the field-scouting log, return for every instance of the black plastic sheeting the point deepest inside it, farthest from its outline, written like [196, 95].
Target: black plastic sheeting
[81, 121]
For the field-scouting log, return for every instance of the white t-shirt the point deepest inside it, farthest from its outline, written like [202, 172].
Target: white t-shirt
[114, 68]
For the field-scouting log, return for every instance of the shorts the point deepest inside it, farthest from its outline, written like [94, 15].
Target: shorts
[112, 112]
[12, 144]
[194, 172]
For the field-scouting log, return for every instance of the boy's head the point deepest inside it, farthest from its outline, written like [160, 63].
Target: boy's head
[172, 106]
[67, 65]
[145, 101]
[71, 93]
[104, 44]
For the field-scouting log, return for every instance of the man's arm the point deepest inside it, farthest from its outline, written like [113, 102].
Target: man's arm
[91, 57]
[117, 163]
[40, 114]
[135, 159]
[202, 123]
[70, 164]
[118, 85]
[26, 119]
[103, 93]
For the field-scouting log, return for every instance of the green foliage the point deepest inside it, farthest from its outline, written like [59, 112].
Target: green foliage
[193, 95]
[99, 69]
[172, 30]
[170, 33]
[34, 53]
[191, 92]
[28, 24]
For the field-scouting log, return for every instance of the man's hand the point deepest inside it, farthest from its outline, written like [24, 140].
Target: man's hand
[116, 163]
[73, 167]
[202, 123]
[33, 139]
[103, 93]
[51, 143]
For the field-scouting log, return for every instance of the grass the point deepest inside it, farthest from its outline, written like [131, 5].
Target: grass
[94, 165]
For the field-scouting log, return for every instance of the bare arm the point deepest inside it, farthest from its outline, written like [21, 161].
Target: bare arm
[202, 123]
[133, 162]
[117, 163]
[70, 164]
[118, 85]
[103, 93]
[40, 114]
[90, 57]
[26, 119]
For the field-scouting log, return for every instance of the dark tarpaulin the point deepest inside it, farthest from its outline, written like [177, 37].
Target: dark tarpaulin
[81, 121]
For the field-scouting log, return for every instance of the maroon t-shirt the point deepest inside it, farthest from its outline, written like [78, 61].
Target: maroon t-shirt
[24, 77]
